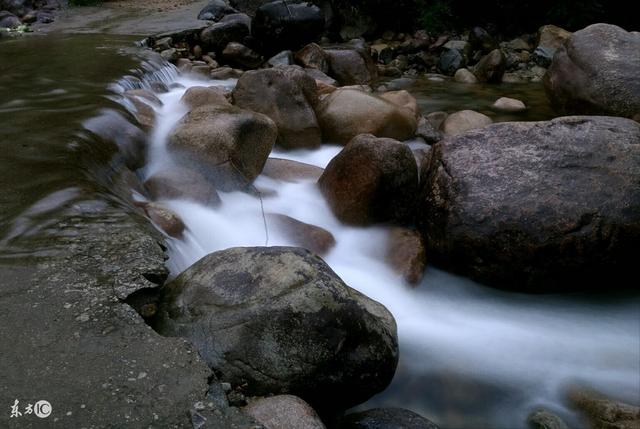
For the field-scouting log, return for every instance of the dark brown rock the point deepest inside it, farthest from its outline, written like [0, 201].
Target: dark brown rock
[406, 253]
[311, 237]
[198, 96]
[182, 183]
[291, 171]
[165, 219]
[371, 180]
[491, 67]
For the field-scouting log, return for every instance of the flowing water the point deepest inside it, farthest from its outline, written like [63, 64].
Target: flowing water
[470, 356]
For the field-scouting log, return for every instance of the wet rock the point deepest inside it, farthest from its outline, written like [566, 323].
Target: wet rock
[16, 7]
[463, 121]
[464, 76]
[198, 96]
[280, 25]
[311, 237]
[145, 95]
[163, 44]
[283, 97]
[371, 180]
[351, 65]
[143, 112]
[241, 18]
[238, 54]
[278, 320]
[229, 145]
[491, 67]
[552, 37]
[386, 418]
[427, 132]
[215, 10]
[284, 412]
[182, 183]
[403, 99]
[509, 105]
[518, 44]
[406, 254]
[450, 61]
[596, 71]
[346, 113]
[171, 55]
[314, 57]
[113, 128]
[217, 36]
[200, 69]
[543, 419]
[436, 119]
[165, 219]
[224, 73]
[284, 58]
[481, 40]
[291, 171]
[603, 412]
[184, 65]
[318, 76]
[563, 213]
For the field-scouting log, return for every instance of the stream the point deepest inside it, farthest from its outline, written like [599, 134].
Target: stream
[470, 356]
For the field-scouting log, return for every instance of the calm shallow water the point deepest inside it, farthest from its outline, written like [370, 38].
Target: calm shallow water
[470, 356]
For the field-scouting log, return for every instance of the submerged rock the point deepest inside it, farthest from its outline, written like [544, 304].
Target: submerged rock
[596, 72]
[543, 419]
[406, 254]
[346, 113]
[604, 412]
[536, 206]
[227, 144]
[311, 237]
[509, 105]
[278, 320]
[182, 183]
[371, 180]
[291, 171]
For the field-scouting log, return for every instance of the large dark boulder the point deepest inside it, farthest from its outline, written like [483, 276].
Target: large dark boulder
[491, 67]
[278, 320]
[277, 93]
[16, 7]
[371, 180]
[386, 418]
[536, 206]
[351, 64]
[596, 72]
[281, 25]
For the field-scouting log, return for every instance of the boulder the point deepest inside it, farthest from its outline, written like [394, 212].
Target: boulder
[602, 411]
[450, 61]
[285, 98]
[284, 58]
[215, 10]
[491, 67]
[403, 99]
[346, 113]
[428, 132]
[509, 105]
[461, 46]
[536, 206]
[198, 96]
[165, 219]
[182, 183]
[463, 121]
[228, 144]
[481, 40]
[278, 320]
[406, 254]
[319, 76]
[238, 54]
[291, 171]
[18, 8]
[217, 36]
[552, 37]
[464, 76]
[386, 418]
[543, 419]
[143, 112]
[596, 72]
[371, 180]
[436, 119]
[8, 20]
[284, 412]
[314, 57]
[281, 25]
[224, 73]
[311, 237]
[351, 65]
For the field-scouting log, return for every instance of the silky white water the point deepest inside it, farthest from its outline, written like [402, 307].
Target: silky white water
[517, 351]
